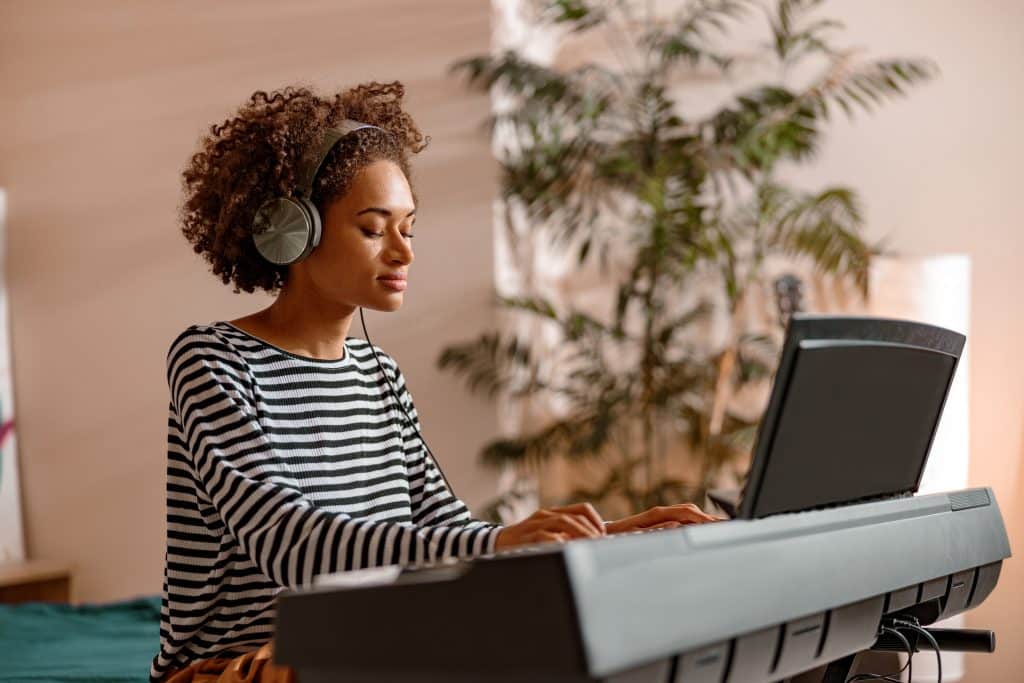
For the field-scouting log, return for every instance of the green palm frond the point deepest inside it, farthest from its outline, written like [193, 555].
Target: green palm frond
[686, 38]
[581, 95]
[556, 183]
[516, 75]
[766, 125]
[489, 363]
[578, 436]
[793, 39]
[533, 304]
[825, 227]
[578, 15]
[868, 85]
[574, 325]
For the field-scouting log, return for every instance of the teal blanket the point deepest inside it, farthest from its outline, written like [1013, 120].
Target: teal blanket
[115, 642]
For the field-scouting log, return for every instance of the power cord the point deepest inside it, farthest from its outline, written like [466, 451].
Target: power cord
[402, 406]
[898, 625]
[915, 626]
[893, 677]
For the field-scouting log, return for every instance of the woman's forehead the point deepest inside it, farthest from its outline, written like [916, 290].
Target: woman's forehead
[379, 185]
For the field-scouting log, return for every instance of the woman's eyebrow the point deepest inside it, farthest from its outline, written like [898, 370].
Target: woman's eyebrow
[384, 212]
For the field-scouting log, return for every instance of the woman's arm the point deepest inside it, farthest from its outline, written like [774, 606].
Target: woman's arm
[434, 503]
[280, 529]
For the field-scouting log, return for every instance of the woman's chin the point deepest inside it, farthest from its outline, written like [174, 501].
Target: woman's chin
[387, 304]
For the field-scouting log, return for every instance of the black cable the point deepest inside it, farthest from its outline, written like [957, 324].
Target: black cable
[931, 639]
[402, 406]
[889, 677]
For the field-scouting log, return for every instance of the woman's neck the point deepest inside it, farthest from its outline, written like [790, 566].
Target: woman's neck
[302, 324]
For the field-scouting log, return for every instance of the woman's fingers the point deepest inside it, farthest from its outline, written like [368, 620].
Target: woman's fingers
[687, 513]
[571, 524]
[580, 513]
[561, 524]
[548, 537]
[549, 526]
[587, 513]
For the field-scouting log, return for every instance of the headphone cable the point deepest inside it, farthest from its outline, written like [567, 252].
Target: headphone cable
[407, 417]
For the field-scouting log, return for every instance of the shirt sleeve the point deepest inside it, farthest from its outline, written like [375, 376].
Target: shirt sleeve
[277, 526]
[434, 504]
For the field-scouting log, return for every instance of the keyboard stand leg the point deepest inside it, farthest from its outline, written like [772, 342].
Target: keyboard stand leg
[839, 670]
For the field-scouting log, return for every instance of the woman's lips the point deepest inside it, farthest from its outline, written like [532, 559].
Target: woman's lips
[397, 284]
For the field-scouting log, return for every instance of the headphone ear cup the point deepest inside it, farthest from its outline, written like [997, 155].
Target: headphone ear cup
[316, 221]
[285, 230]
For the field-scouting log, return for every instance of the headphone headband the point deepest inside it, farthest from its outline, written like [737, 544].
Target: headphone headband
[286, 229]
[308, 172]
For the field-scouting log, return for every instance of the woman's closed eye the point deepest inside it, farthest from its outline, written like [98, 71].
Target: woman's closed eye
[371, 233]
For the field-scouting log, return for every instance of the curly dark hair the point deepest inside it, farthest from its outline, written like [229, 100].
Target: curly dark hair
[256, 155]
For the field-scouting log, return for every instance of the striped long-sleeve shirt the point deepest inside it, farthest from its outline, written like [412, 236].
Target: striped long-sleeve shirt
[282, 467]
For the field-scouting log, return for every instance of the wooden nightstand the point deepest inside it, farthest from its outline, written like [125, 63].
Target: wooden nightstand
[34, 580]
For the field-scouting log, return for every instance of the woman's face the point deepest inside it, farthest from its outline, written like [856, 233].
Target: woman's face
[365, 250]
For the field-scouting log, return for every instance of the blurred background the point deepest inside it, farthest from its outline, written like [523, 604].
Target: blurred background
[105, 101]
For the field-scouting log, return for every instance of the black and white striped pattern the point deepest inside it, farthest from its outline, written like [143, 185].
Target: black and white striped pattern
[282, 467]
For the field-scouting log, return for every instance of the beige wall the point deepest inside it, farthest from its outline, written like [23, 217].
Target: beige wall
[103, 103]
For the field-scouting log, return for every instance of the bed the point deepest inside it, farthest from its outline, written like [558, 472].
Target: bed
[112, 642]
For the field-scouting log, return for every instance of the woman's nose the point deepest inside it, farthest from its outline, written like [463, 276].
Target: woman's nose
[400, 249]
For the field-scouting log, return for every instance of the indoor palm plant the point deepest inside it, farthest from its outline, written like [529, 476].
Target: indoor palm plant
[680, 214]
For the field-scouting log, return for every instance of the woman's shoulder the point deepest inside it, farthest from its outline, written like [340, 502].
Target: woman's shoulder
[204, 340]
[363, 352]
[365, 348]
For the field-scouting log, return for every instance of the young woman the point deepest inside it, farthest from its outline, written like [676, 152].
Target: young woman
[294, 448]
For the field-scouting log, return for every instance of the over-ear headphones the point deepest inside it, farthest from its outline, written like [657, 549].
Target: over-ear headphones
[287, 229]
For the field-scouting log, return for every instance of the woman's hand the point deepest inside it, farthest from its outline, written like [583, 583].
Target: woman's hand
[553, 525]
[662, 517]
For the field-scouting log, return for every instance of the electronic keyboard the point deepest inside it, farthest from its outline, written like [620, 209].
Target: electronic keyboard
[741, 601]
